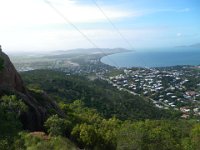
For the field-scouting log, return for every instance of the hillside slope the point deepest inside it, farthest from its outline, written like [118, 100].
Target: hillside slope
[12, 84]
[95, 94]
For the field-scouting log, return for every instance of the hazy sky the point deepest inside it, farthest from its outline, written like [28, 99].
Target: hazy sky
[32, 25]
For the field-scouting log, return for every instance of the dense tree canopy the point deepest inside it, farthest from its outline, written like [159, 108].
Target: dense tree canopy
[101, 118]
[88, 129]
[96, 94]
[10, 109]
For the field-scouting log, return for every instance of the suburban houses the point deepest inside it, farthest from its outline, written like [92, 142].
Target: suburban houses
[168, 88]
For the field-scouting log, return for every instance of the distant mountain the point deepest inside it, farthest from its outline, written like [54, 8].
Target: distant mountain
[197, 45]
[92, 50]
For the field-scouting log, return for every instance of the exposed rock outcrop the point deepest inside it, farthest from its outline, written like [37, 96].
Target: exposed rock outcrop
[8, 76]
[11, 83]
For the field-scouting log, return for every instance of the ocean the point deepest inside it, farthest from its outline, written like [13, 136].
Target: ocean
[162, 58]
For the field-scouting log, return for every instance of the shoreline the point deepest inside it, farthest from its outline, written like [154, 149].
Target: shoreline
[100, 59]
[158, 65]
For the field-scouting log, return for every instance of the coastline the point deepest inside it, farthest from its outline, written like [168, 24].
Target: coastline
[131, 59]
[108, 55]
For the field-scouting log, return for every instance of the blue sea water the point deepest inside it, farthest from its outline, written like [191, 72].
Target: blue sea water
[162, 58]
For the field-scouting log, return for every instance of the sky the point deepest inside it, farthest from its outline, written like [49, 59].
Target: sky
[33, 25]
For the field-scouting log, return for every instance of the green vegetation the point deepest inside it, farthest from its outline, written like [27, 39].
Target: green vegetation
[97, 94]
[56, 126]
[10, 109]
[88, 129]
[114, 72]
[12, 137]
[96, 117]
[39, 140]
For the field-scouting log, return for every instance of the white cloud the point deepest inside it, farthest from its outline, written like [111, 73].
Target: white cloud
[31, 12]
[20, 17]
[151, 11]
[69, 39]
[184, 10]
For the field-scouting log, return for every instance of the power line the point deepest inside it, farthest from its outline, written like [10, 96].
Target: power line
[68, 21]
[116, 29]
[113, 25]
[76, 28]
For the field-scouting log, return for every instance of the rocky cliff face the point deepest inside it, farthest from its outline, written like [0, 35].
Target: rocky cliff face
[11, 83]
[8, 75]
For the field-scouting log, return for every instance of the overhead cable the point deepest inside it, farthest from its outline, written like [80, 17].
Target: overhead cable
[77, 29]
